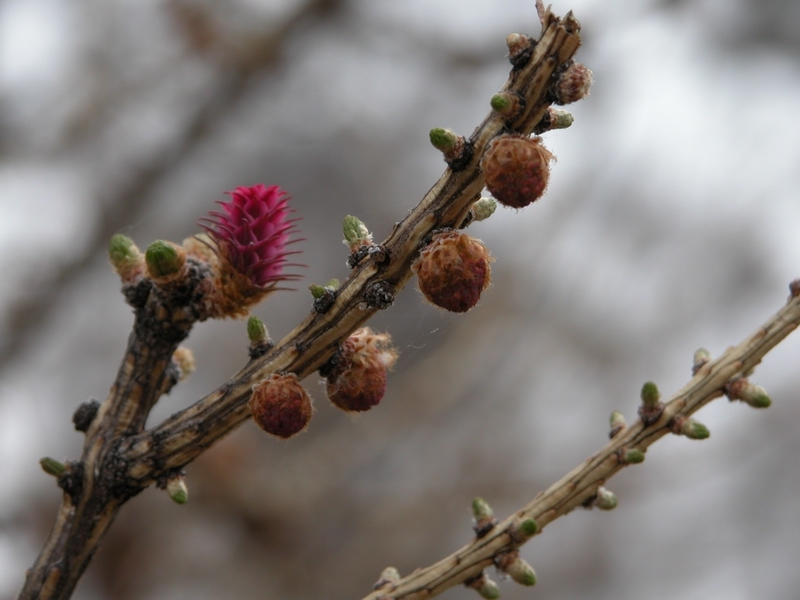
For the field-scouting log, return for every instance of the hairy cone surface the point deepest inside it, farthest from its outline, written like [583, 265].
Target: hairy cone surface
[453, 270]
[516, 169]
[358, 380]
[280, 405]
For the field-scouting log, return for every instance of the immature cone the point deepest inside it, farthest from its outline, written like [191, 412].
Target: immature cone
[280, 405]
[250, 237]
[357, 380]
[516, 169]
[453, 270]
[573, 84]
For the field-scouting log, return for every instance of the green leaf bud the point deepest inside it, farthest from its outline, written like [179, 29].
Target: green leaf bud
[633, 456]
[606, 499]
[177, 490]
[650, 394]
[53, 467]
[484, 208]
[164, 259]
[256, 330]
[444, 140]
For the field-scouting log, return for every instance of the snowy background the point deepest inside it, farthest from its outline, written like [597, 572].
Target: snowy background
[671, 223]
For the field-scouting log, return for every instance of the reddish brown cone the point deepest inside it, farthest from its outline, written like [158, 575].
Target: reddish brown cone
[280, 405]
[573, 84]
[516, 169]
[357, 381]
[453, 270]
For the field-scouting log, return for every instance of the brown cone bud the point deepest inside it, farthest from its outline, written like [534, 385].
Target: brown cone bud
[573, 84]
[357, 381]
[453, 270]
[280, 405]
[516, 169]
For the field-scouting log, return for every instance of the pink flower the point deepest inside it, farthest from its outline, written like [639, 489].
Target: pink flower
[252, 233]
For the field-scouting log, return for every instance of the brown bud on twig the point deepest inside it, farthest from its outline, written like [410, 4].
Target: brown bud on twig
[453, 270]
[84, 415]
[516, 169]
[183, 358]
[357, 374]
[572, 84]
[280, 405]
[520, 49]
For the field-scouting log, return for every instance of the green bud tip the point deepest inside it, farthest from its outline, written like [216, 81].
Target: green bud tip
[756, 396]
[522, 572]
[489, 590]
[333, 284]
[560, 118]
[606, 499]
[650, 394]
[617, 419]
[481, 509]
[528, 528]
[501, 102]
[443, 139]
[634, 456]
[484, 208]
[318, 291]
[390, 574]
[163, 259]
[355, 232]
[177, 490]
[694, 430]
[52, 467]
[256, 330]
[122, 250]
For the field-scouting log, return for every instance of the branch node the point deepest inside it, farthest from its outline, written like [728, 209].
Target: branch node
[84, 415]
[379, 294]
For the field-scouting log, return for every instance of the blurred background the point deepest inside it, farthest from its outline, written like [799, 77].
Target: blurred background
[670, 223]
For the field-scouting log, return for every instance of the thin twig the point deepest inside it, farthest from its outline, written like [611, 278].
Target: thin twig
[582, 483]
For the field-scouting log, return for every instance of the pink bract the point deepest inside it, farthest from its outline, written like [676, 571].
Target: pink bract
[253, 231]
